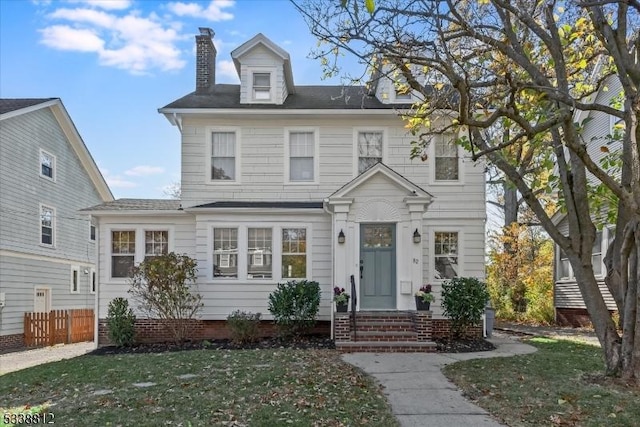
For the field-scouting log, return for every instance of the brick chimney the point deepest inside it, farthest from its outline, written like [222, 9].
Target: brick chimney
[205, 61]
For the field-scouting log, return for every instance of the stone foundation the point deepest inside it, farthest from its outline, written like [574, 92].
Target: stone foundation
[11, 342]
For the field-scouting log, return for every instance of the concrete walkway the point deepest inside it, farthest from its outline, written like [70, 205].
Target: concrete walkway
[11, 362]
[420, 395]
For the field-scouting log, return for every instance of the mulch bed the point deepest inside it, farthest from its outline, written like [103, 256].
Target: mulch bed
[319, 342]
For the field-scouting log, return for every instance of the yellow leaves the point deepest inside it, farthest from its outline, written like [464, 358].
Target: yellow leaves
[604, 149]
[438, 86]
[483, 2]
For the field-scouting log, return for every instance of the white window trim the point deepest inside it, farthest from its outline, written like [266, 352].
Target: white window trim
[209, 142]
[74, 269]
[316, 155]
[559, 259]
[272, 77]
[432, 173]
[92, 273]
[385, 145]
[54, 167]
[139, 255]
[276, 252]
[432, 251]
[54, 234]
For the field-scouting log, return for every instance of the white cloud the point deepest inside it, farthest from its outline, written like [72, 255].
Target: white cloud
[213, 12]
[64, 37]
[144, 170]
[128, 41]
[118, 182]
[226, 70]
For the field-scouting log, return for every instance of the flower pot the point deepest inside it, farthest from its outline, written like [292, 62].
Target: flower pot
[341, 308]
[421, 305]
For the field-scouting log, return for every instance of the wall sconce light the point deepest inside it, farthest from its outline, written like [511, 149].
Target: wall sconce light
[416, 237]
[86, 271]
[341, 237]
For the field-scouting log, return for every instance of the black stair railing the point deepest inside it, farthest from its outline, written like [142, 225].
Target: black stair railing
[354, 302]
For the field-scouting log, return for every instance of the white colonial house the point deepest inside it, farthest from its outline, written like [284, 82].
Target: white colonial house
[47, 247]
[281, 182]
[598, 129]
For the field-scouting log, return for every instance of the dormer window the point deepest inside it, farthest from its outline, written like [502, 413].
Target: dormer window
[262, 86]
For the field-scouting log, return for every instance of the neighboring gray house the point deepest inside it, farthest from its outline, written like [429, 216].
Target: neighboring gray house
[281, 181]
[47, 247]
[569, 304]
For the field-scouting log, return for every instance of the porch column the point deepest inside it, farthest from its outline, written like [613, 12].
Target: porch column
[417, 206]
[340, 252]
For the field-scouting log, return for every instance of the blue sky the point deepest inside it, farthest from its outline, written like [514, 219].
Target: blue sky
[115, 62]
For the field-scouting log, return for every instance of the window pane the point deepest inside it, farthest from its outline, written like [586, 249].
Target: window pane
[46, 162]
[223, 159]
[121, 265]
[156, 243]
[446, 159]
[378, 237]
[294, 248]
[294, 266]
[301, 169]
[446, 267]
[365, 163]
[123, 249]
[446, 251]
[46, 226]
[92, 232]
[261, 79]
[565, 268]
[370, 144]
[259, 256]
[225, 250]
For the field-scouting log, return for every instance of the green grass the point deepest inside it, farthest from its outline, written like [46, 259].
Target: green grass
[561, 384]
[231, 387]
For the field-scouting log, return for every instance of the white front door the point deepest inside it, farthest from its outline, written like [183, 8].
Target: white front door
[42, 301]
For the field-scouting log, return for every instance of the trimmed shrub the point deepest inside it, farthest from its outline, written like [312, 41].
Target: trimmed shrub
[464, 300]
[121, 322]
[244, 326]
[294, 306]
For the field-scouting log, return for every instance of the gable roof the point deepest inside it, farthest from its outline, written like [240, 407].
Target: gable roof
[20, 106]
[261, 39]
[382, 169]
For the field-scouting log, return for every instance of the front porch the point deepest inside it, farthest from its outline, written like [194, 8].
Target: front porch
[384, 331]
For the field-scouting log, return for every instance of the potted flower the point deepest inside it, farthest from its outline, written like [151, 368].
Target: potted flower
[341, 298]
[424, 298]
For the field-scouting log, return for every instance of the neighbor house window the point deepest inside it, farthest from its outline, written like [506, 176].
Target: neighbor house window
[446, 255]
[156, 243]
[123, 250]
[294, 253]
[225, 252]
[261, 86]
[75, 277]
[301, 154]
[92, 233]
[47, 218]
[596, 254]
[402, 90]
[446, 159]
[92, 281]
[565, 266]
[47, 165]
[259, 253]
[223, 156]
[369, 149]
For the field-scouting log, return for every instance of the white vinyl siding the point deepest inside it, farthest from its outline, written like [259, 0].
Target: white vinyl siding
[47, 165]
[47, 225]
[223, 156]
[302, 152]
[447, 167]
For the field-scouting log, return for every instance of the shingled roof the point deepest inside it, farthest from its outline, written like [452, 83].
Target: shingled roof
[8, 105]
[137, 205]
[305, 97]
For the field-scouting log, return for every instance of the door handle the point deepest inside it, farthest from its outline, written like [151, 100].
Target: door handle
[361, 268]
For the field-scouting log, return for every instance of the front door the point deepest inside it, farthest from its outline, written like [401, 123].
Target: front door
[377, 266]
[41, 303]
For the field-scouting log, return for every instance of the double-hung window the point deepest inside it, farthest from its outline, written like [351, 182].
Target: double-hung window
[75, 280]
[225, 252]
[369, 149]
[596, 254]
[47, 225]
[223, 156]
[47, 165]
[565, 271]
[446, 254]
[262, 86]
[301, 156]
[294, 253]
[446, 159]
[156, 243]
[123, 251]
[259, 253]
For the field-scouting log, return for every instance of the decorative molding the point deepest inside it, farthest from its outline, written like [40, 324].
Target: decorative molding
[378, 210]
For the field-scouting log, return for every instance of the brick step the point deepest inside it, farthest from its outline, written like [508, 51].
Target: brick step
[386, 347]
[384, 336]
[383, 326]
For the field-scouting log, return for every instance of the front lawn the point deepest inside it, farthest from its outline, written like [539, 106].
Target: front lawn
[201, 388]
[559, 385]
